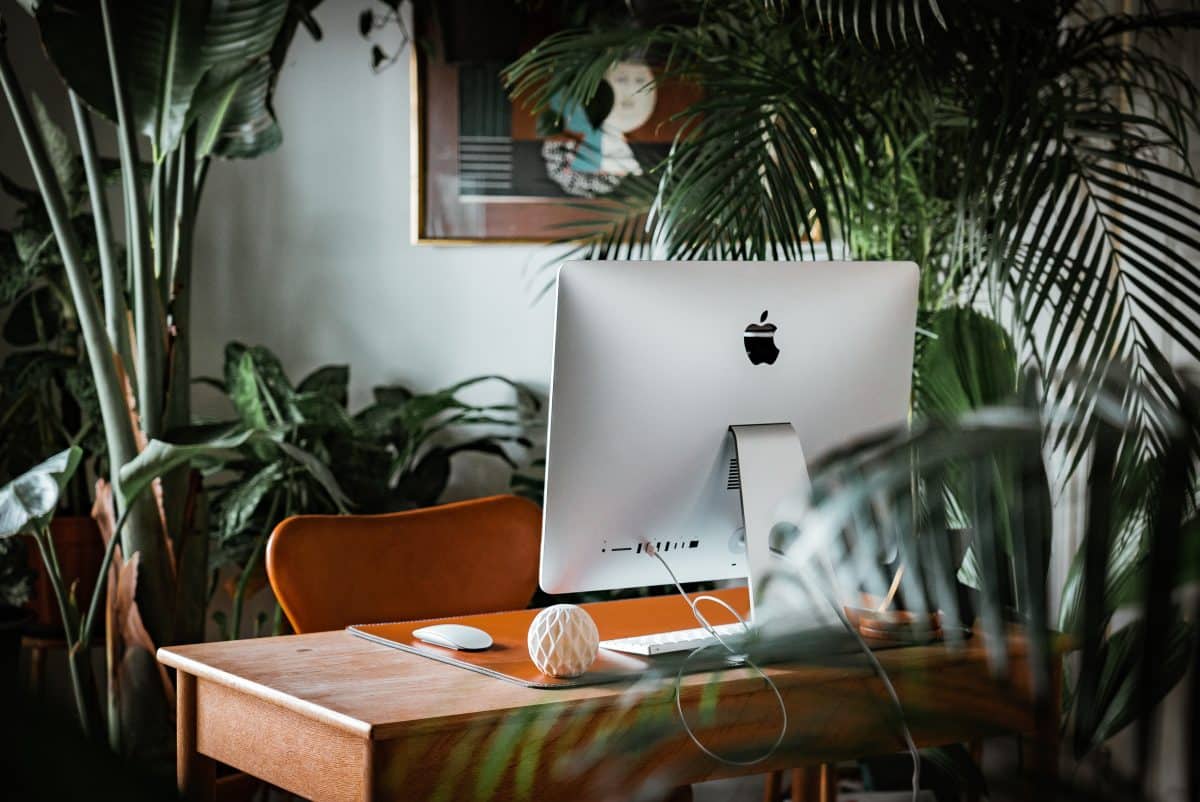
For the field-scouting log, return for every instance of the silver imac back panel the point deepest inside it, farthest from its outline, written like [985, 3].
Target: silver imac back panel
[654, 361]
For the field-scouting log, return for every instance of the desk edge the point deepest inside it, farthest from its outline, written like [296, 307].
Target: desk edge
[309, 709]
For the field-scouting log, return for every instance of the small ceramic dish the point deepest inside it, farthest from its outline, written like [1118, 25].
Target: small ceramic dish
[894, 625]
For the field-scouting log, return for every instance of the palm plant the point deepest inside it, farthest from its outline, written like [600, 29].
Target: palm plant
[194, 81]
[1026, 155]
[1023, 153]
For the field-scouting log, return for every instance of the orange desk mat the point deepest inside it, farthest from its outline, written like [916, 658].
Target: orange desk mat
[508, 658]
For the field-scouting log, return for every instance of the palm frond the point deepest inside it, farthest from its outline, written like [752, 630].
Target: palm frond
[1031, 160]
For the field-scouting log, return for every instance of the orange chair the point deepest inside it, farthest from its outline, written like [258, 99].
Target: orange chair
[479, 556]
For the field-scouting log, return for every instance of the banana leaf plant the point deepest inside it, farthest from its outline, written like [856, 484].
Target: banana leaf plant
[27, 506]
[183, 83]
[394, 454]
[47, 398]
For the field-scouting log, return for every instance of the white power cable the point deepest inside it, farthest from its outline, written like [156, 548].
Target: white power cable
[879, 670]
[740, 658]
[853, 630]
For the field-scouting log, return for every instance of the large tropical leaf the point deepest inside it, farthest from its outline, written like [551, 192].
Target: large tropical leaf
[198, 445]
[28, 502]
[968, 362]
[167, 51]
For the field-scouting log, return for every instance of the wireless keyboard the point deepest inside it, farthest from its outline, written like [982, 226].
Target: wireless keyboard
[683, 640]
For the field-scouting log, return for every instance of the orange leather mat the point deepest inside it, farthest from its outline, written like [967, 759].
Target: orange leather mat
[508, 658]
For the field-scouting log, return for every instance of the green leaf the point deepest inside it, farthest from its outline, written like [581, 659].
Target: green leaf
[483, 445]
[392, 395]
[957, 764]
[14, 278]
[1116, 704]
[320, 410]
[166, 52]
[319, 471]
[969, 363]
[330, 380]
[240, 503]
[16, 579]
[1129, 587]
[27, 503]
[241, 382]
[424, 484]
[35, 319]
[199, 445]
[248, 127]
[68, 168]
[257, 386]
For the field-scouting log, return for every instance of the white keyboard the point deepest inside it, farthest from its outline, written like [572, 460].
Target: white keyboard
[683, 640]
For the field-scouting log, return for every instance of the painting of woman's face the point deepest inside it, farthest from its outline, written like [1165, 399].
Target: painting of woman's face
[634, 96]
[490, 168]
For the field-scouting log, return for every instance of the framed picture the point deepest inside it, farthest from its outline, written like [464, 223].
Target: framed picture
[486, 168]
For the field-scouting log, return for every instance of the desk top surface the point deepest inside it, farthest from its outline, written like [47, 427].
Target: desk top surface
[377, 692]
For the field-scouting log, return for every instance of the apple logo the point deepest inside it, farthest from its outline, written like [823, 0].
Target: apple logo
[760, 342]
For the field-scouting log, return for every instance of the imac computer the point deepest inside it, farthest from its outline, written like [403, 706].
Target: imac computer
[685, 400]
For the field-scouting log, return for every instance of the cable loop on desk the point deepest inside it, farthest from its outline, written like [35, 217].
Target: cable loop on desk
[742, 659]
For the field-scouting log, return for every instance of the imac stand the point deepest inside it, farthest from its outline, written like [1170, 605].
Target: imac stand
[772, 468]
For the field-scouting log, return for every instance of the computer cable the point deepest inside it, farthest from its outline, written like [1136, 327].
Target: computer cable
[735, 657]
[913, 752]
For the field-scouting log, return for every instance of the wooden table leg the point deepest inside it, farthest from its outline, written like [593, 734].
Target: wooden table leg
[194, 772]
[827, 783]
[808, 784]
[772, 785]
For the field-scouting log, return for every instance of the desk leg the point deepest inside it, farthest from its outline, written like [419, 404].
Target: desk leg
[194, 772]
[774, 781]
[809, 784]
[827, 788]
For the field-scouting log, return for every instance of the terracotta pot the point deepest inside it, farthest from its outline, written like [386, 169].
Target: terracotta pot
[80, 551]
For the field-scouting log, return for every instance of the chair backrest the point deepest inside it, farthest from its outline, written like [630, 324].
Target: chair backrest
[479, 556]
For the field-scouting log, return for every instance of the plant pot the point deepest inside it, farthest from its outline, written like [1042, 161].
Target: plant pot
[80, 551]
[13, 621]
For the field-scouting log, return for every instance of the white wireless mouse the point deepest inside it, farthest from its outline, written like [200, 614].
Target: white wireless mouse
[455, 636]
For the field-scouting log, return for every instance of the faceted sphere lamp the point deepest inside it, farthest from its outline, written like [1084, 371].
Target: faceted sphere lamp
[563, 641]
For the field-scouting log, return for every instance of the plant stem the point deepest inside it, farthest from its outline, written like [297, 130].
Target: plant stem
[239, 593]
[78, 686]
[111, 279]
[179, 387]
[89, 620]
[50, 561]
[163, 196]
[176, 283]
[148, 314]
[156, 596]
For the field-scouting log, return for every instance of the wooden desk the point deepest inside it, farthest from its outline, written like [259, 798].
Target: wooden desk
[332, 717]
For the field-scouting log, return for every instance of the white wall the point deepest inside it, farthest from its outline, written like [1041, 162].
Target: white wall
[307, 250]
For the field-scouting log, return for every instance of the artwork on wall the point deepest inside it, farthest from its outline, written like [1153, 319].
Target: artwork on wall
[488, 170]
